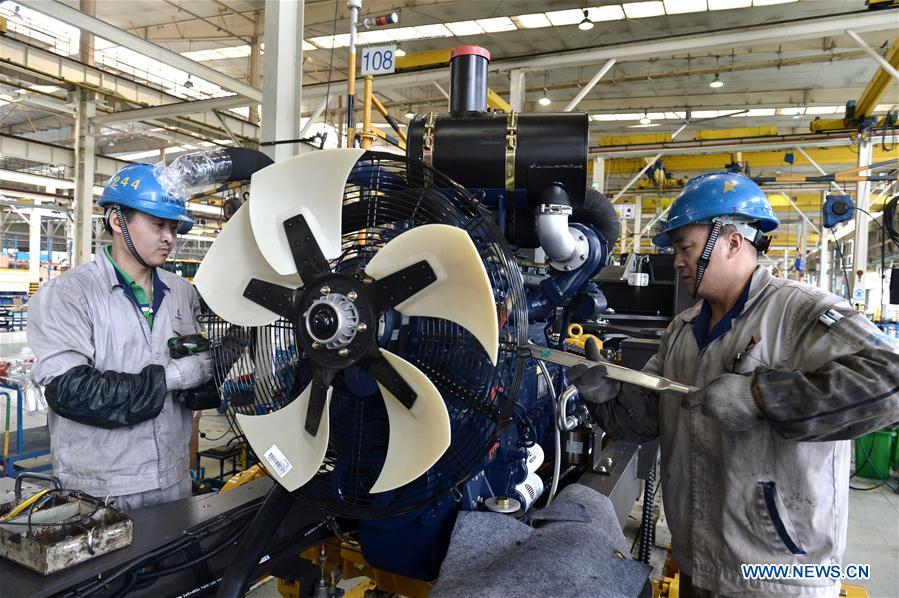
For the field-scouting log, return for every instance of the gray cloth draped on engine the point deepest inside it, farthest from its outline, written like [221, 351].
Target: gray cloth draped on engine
[569, 550]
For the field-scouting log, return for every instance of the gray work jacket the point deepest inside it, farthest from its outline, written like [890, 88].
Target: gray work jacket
[778, 492]
[84, 317]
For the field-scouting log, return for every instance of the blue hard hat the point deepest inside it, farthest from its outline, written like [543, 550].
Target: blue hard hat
[719, 194]
[137, 187]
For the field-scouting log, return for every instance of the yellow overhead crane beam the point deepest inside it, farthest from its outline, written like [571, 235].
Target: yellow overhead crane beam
[496, 102]
[878, 84]
[864, 108]
[416, 60]
[762, 159]
[805, 201]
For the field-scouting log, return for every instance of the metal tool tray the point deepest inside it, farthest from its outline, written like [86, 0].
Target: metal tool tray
[50, 547]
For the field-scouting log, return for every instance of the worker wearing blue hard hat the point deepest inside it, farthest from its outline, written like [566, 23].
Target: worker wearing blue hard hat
[119, 423]
[755, 463]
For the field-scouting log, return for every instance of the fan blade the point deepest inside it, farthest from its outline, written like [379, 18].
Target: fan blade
[309, 185]
[418, 435]
[461, 292]
[289, 452]
[231, 263]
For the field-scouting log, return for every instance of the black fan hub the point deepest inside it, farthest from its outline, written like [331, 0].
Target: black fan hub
[336, 321]
[322, 322]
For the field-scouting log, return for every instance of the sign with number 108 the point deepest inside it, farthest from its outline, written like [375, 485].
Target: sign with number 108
[378, 60]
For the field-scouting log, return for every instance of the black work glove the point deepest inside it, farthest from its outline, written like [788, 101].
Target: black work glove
[231, 348]
[728, 399]
[198, 398]
[592, 382]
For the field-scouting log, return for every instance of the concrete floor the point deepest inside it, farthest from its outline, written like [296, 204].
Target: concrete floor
[873, 536]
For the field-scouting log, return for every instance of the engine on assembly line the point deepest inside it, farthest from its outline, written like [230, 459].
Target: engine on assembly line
[530, 172]
[517, 184]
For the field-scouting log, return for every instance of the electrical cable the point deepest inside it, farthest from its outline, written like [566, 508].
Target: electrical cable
[842, 261]
[868, 461]
[174, 547]
[69, 520]
[557, 464]
[883, 273]
[217, 438]
[889, 121]
[526, 431]
[889, 212]
[205, 556]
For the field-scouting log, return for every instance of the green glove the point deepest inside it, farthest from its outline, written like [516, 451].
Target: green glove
[190, 344]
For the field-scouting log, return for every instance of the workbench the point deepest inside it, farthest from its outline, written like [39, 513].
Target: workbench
[154, 528]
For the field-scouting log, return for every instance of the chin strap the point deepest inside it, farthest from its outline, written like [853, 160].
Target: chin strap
[703, 261]
[127, 236]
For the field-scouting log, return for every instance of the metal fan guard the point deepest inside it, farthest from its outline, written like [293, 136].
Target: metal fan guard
[386, 195]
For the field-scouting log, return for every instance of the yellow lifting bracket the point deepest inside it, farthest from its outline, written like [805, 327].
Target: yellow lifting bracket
[578, 339]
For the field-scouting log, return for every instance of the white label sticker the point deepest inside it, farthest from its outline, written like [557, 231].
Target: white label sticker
[278, 461]
[574, 447]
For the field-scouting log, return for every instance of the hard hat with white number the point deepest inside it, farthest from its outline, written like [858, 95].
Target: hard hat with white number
[136, 186]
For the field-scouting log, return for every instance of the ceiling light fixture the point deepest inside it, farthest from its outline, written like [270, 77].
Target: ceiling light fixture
[188, 84]
[399, 51]
[645, 120]
[544, 99]
[410, 114]
[586, 24]
[716, 82]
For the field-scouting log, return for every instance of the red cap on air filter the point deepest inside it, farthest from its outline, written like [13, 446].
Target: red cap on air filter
[469, 51]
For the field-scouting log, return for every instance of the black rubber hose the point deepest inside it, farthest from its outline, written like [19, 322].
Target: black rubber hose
[255, 542]
[599, 212]
[245, 161]
[648, 530]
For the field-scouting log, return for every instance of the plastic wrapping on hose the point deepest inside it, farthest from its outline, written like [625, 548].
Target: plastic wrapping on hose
[190, 171]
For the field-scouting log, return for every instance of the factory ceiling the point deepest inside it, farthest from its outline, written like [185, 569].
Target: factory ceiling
[779, 81]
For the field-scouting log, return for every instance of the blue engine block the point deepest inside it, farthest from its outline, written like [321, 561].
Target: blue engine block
[414, 544]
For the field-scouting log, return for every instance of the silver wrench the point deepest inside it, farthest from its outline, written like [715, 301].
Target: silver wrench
[615, 372]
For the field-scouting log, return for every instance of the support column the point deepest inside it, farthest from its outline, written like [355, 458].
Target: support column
[85, 167]
[86, 39]
[801, 247]
[599, 174]
[282, 76]
[862, 222]
[824, 253]
[517, 89]
[638, 222]
[255, 64]
[34, 243]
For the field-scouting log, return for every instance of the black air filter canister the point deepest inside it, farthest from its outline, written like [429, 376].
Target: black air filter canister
[468, 79]
[515, 155]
